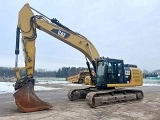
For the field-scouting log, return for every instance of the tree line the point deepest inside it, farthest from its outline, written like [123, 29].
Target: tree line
[154, 73]
[61, 72]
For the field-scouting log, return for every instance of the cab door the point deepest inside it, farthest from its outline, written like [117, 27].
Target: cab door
[115, 72]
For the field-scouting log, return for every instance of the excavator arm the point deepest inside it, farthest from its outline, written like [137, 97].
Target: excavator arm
[28, 23]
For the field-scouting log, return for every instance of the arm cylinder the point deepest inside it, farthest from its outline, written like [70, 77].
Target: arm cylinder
[17, 41]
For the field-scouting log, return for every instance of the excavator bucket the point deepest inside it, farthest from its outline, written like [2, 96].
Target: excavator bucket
[27, 101]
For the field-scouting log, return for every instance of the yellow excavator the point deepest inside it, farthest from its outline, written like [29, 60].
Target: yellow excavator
[111, 75]
[83, 77]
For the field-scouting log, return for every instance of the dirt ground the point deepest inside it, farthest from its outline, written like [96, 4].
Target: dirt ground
[148, 109]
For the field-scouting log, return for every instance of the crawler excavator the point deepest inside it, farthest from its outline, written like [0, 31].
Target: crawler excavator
[111, 75]
[83, 77]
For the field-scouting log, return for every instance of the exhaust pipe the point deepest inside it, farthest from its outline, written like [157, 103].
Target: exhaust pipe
[27, 101]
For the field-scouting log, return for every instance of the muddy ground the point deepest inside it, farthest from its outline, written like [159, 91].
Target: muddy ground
[148, 109]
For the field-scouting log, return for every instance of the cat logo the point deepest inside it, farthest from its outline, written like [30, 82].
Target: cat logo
[61, 33]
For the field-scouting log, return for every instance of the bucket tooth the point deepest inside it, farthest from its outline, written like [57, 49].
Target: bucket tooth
[27, 101]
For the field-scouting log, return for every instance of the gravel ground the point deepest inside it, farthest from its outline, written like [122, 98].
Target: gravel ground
[148, 109]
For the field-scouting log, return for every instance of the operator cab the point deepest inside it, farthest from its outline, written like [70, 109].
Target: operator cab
[110, 71]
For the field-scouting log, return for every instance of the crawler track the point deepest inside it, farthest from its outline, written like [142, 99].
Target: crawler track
[97, 98]
[77, 94]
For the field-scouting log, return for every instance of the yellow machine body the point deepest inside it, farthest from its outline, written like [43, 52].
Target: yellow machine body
[25, 97]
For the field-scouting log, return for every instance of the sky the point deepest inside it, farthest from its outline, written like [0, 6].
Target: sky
[121, 29]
